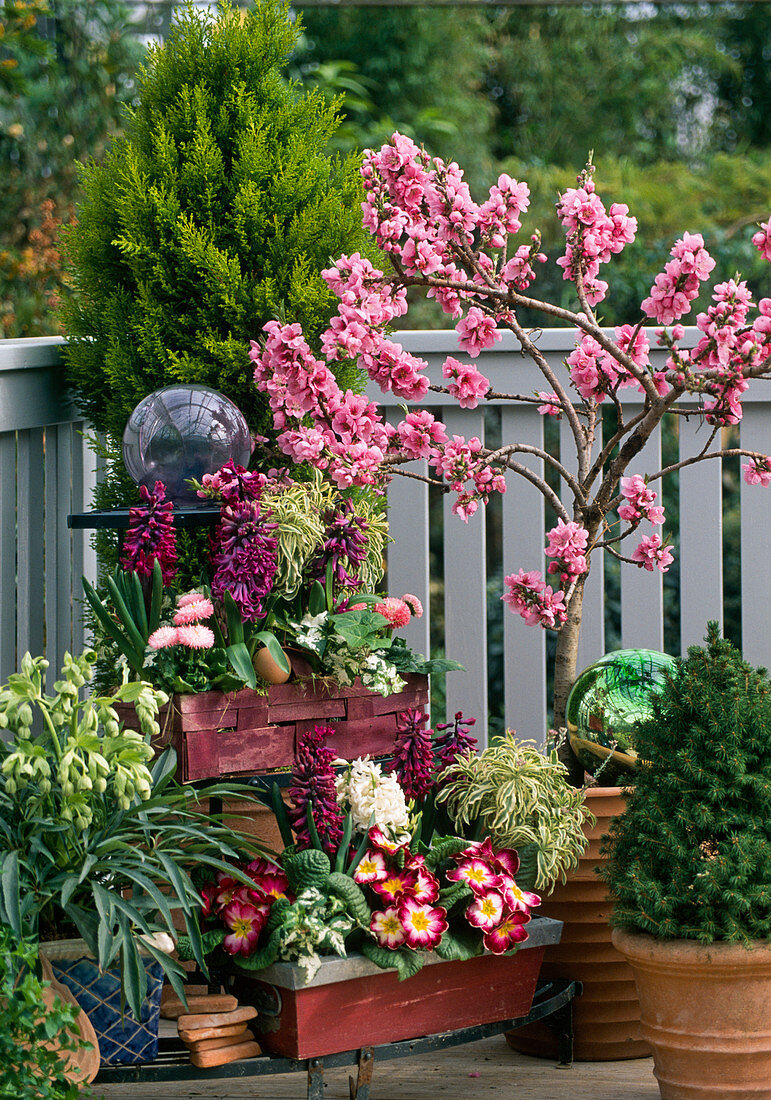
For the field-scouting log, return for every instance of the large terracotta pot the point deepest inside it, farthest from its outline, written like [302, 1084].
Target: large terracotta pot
[706, 1011]
[606, 1017]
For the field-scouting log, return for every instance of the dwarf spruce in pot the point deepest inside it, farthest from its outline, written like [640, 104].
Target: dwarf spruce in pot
[691, 856]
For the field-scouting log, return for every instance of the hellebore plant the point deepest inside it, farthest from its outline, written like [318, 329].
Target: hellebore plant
[461, 254]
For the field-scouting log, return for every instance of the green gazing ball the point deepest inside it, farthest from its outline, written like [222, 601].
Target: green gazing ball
[607, 702]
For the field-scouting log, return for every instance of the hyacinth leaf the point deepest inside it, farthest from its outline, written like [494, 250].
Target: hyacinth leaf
[281, 815]
[134, 657]
[137, 596]
[241, 663]
[233, 617]
[312, 830]
[273, 646]
[125, 616]
[363, 845]
[345, 843]
[156, 599]
[317, 600]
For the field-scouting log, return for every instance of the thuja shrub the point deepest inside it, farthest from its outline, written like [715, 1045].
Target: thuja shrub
[215, 211]
[690, 858]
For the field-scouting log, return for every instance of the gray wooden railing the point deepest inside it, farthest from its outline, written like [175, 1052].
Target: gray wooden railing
[46, 471]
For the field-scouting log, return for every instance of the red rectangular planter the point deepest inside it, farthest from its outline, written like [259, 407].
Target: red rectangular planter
[352, 1003]
[243, 732]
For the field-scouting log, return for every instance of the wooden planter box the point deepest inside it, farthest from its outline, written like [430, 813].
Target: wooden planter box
[352, 1003]
[243, 732]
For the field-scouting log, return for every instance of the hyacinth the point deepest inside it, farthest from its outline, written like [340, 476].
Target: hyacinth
[453, 738]
[413, 758]
[244, 557]
[345, 545]
[151, 535]
[313, 784]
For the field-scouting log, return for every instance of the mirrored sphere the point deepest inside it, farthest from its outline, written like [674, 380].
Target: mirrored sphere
[607, 703]
[183, 431]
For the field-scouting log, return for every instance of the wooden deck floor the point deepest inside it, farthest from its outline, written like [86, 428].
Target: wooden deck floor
[485, 1070]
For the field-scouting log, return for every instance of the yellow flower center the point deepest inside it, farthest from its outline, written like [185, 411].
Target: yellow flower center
[419, 921]
[242, 926]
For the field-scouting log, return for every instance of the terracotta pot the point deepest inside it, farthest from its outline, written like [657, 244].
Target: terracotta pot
[606, 1017]
[82, 1063]
[706, 1011]
[268, 669]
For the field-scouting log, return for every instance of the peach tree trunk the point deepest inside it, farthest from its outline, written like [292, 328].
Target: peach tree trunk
[565, 673]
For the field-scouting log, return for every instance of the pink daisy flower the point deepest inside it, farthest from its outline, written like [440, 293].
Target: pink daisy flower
[476, 873]
[372, 868]
[245, 923]
[506, 860]
[163, 637]
[396, 611]
[413, 603]
[507, 934]
[424, 925]
[486, 911]
[388, 928]
[227, 888]
[194, 611]
[189, 597]
[208, 898]
[427, 885]
[195, 636]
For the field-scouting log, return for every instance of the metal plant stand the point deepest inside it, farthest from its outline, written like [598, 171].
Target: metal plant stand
[553, 1004]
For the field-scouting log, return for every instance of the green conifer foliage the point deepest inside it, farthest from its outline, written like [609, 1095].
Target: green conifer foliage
[215, 211]
[690, 858]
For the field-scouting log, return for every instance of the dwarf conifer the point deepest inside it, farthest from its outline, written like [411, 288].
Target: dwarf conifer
[215, 211]
[690, 857]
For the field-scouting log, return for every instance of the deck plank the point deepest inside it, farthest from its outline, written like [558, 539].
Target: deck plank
[484, 1070]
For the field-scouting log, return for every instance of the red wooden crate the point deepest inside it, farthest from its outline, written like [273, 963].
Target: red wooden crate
[243, 732]
[352, 1003]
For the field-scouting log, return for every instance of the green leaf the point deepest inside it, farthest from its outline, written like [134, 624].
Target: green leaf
[317, 600]
[134, 656]
[10, 891]
[281, 815]
[238, 655]
[345, 842]
[156, 599]
[233, 617]
[125, 616]
[137, 597]
[181, 885]
[163, 770]
[133, 972]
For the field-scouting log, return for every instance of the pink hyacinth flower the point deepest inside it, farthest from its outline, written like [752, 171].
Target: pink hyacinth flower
[388, 928]
[510, 932]
[424, 925]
